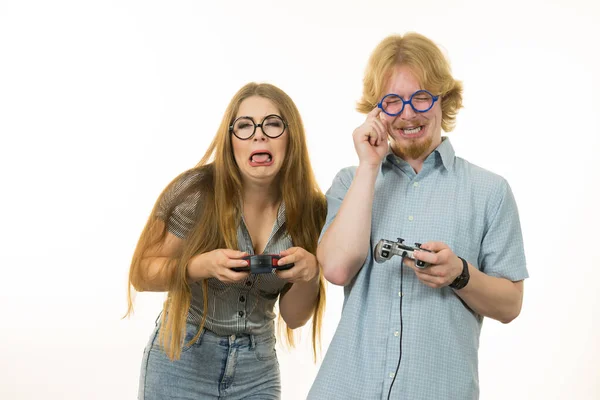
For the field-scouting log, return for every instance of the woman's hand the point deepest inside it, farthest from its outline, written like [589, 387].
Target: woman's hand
[305, 267]
[217, 264]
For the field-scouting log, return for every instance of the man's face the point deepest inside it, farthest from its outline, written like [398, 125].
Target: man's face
[413, 135]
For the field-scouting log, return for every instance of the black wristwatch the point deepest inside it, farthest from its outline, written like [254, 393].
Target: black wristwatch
[461, 280]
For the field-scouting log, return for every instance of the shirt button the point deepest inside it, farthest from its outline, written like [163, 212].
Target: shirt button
[399, 294]
[410, 218]
[392, 374]
[396, 333]
[416, 184]
[241, 313]
[242, 299]
[248, 283]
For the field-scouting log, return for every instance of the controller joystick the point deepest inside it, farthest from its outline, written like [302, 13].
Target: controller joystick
[386, 249]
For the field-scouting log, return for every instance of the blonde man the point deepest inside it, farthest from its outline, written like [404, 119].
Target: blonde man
[411, 331]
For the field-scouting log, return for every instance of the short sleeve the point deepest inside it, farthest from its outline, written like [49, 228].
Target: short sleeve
[502, 252]
[183, 199]
[336, 193]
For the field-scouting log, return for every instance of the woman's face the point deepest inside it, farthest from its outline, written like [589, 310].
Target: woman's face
[260, 156]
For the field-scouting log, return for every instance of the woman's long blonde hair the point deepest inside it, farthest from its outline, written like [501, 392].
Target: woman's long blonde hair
[218, 182]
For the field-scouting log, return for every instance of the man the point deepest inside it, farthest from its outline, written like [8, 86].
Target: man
[408, 332]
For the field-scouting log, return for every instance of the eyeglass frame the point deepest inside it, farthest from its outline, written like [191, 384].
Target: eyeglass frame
[285, 126]
[409, 101]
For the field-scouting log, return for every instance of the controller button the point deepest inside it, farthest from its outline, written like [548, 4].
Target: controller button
[387, 246]
[417, 244]
[385, 253]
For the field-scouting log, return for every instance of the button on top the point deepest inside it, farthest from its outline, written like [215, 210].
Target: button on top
[242, 299]
[416, 184]
[410, 217]
[241, 313]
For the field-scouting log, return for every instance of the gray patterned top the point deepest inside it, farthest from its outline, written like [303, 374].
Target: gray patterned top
[242, 307]
[436, 334]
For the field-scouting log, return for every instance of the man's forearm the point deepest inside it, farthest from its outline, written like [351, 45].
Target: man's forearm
[492, 297]
[345, 244]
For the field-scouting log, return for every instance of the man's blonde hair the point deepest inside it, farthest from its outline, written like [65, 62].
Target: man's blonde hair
[425, 60]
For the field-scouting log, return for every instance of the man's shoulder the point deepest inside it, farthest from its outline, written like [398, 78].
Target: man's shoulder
[478, 175]
[346, 174]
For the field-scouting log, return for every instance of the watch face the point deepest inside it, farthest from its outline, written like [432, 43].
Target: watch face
[461, 280]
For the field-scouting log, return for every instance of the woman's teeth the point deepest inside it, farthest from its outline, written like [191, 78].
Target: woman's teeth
[261, 157]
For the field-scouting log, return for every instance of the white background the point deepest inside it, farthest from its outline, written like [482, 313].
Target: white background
[102, 103]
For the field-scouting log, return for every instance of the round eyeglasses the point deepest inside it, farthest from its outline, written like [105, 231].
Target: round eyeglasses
[244, 128]
[420, 101]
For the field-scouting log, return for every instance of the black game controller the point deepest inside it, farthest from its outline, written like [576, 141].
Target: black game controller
[386, 249]
[262, 264]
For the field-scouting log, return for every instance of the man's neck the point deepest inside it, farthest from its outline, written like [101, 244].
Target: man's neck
[417, 162]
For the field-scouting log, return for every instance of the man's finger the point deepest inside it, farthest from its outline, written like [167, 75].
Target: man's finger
[374, 112]
[434, 246]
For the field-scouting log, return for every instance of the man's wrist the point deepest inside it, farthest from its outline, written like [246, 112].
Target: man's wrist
[463, 279]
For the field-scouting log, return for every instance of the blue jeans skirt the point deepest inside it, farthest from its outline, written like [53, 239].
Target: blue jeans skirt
[213, 367]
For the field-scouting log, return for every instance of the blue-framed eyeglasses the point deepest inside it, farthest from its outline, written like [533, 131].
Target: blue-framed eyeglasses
[420, 101]
[244, 128]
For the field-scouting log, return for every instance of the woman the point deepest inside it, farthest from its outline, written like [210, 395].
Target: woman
[253, 192]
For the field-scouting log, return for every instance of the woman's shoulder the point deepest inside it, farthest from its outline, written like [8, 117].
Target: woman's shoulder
[185, 191]
[193, 177]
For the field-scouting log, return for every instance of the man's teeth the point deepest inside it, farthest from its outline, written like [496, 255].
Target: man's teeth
[412, 131]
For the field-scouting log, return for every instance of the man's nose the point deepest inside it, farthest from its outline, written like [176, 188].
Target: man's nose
[408, 112]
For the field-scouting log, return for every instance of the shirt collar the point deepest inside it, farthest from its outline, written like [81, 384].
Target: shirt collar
[444, 151]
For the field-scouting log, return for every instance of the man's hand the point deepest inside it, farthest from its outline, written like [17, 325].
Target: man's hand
[371, 139]
[444, 267]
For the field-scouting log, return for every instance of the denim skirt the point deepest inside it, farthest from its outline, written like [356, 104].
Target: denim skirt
[213, 367]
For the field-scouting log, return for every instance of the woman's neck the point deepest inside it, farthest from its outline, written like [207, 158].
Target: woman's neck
[260, 197]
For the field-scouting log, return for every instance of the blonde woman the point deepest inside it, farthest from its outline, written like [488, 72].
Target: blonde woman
[253, 192]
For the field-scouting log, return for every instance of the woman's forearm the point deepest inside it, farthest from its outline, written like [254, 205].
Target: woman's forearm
[297, 305]
[155, 273]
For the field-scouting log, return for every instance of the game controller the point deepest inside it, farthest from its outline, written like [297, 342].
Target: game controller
[386, 249]
[262, 264]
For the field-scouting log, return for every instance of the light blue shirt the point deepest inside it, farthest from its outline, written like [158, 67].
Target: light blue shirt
[450, 200]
